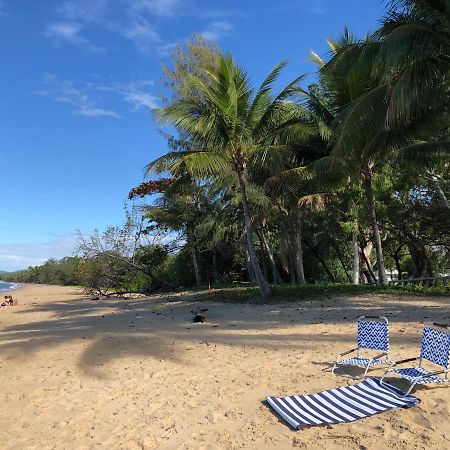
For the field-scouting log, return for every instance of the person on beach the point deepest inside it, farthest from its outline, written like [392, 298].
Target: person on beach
[9, 301]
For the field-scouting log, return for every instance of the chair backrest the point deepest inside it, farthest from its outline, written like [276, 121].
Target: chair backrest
[436, 344]
[373, 333]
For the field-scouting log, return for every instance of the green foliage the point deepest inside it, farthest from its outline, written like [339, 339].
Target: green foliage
[62, 272]
[292, 293]
[344, 180]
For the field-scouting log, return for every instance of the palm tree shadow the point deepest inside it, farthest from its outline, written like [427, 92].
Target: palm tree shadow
[147, 328]
[98, 359]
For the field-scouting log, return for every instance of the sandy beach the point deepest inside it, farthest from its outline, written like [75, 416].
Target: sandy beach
[137, 374]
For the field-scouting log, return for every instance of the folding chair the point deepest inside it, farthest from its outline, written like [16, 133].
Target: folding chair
[435, 349]
[373, 334]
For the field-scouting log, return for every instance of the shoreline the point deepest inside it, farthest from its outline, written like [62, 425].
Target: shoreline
[15, 286]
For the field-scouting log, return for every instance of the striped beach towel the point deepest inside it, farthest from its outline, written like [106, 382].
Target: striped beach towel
[344, 404]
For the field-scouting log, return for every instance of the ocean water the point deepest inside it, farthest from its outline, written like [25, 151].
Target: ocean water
[7, 286]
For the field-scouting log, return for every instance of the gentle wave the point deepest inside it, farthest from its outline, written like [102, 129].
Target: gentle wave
[8, 286]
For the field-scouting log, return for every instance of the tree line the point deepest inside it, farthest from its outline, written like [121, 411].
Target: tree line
[342, 180]
[53, 271]
[305, 179]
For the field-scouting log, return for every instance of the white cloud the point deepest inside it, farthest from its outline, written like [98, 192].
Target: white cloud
[84, 10]
[92, 111]
[3, 9]
[216, 30]
[137, 94]
[70, 32]
[161, 8]
[142, 33]
[131, 19]
[139, 98]
[316, 7]
[85, 97]
[220, 14]
[20, 256]
[138, 21]
[66, 92]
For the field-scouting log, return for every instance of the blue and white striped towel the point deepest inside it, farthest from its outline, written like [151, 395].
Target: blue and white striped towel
[344, 404]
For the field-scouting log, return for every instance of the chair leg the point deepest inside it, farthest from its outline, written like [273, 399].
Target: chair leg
[367, 369]
[334, 367]
[384, 376]
[411, 387]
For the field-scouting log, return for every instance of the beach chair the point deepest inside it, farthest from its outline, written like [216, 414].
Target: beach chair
[435, 349]
[373, 334]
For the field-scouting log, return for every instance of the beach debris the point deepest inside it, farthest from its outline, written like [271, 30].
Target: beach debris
[9, 301]
[199, 314]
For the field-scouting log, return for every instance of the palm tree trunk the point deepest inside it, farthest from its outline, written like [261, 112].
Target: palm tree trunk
[264, 263]
[365, 264]
[265, 243]
[195, 262]
[355, 251]
[382, 278]
[398, 266]
[262, 282]
[316, 254]
[286, 239]
[250, 271]
[215, 271]
[341, 259]
[299, 253]
[420, 258]
[330, 274]
[291, 263]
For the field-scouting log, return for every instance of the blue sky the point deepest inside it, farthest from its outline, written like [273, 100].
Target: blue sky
[78, 82]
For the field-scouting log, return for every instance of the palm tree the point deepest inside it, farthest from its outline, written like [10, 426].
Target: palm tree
[353, 121]
[414, 59]
[360, 141]
[230, 127]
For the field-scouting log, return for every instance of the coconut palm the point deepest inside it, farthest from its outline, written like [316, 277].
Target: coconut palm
[355, 111]
[230, 127]
[364, 100]
[414, 59]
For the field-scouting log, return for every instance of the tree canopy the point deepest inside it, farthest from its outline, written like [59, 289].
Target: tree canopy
[344, 180]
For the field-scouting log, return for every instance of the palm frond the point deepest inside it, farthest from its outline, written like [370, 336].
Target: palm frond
[277, 106]
[315, 201]
[315, 58]
[201, 164]
[423, 154]
[262, 95]
[360, 122]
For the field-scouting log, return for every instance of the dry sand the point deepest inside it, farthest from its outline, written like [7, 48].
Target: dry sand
[77, 373]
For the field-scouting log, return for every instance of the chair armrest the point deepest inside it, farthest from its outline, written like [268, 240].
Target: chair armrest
[405, 360]
[441, 325]
[348, 352]
[436, 372]
[380, 355]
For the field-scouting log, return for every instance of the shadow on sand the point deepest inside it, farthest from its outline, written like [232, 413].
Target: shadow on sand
[151, 327]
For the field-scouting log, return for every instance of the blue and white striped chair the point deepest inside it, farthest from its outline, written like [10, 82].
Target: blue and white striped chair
[373, 334]
[435, 349]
